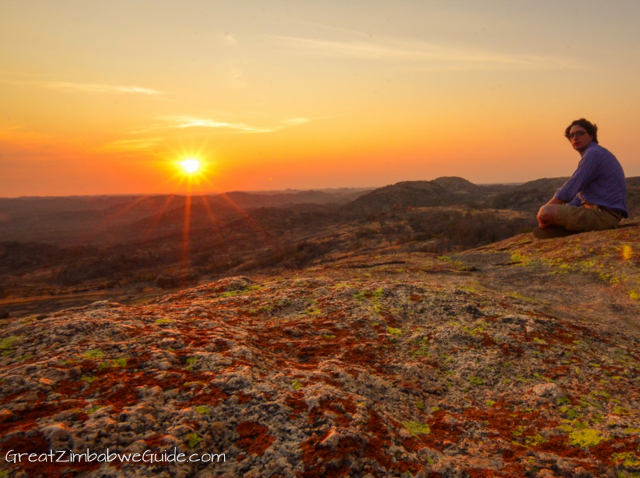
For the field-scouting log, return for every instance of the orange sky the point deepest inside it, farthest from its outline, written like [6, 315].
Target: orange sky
[105, 97]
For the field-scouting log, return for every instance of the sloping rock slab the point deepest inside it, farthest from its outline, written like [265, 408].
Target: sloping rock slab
[318, 376]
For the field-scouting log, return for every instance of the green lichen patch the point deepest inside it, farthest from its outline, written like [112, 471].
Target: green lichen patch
[394, 331]
[193, 439]
[26, 356]
[535, 440]
[417, 428]
[120, 362]
[628, 458]
[104, 365]
[374, 295]
[569, 412]
[191, 361]
[586, 437]
[93, 354]
[7, 342]
[203, 410]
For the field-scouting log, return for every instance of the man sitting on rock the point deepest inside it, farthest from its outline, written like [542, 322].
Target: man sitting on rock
[594, 198]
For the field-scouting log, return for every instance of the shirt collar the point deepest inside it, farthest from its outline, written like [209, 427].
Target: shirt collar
[592, 143]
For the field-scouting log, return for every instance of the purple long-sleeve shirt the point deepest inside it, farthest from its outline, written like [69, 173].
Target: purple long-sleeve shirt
[598, 180]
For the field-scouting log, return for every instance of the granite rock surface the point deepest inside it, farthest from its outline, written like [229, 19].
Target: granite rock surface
[517, 359]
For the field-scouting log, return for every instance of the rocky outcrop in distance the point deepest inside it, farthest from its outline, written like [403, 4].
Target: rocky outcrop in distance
[445, 191]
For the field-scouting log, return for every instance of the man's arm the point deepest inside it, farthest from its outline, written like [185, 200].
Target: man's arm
[587, 171]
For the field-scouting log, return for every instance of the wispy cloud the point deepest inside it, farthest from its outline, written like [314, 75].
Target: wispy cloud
[87, 87]
[295, 121]
[98, 88]
[133, 145]
[153, 143]
[197, 122]
[421, 55]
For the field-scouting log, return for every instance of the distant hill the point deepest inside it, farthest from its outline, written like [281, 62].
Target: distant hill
[15, 207]
[244, 199]
[99, 219]
[402, 195]
[529, 196]
[456, 185]
[442, 191]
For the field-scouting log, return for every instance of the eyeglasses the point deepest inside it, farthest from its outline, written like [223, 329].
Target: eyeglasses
[577, 134]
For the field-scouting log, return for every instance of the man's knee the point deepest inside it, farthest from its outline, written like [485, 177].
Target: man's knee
[548, 214]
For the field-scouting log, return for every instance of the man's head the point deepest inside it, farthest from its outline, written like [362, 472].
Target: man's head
[581, 132]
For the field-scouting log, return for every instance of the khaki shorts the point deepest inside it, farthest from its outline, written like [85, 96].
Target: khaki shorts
[585, 218]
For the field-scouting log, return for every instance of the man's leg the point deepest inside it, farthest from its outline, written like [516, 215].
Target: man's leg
[584, 219]
[551, 232]
[566, 220]
[551, 215]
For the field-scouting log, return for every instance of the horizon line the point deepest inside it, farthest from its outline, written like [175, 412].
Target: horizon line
[262, 191]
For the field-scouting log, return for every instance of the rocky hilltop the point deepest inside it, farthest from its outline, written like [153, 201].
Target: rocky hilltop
[449, 190]
[520, 358]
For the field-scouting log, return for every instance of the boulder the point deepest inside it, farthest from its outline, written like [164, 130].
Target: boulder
[166, 282]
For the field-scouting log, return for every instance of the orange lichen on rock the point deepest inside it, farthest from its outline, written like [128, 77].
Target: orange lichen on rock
[254, 438]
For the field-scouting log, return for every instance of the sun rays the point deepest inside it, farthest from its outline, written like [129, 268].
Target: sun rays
[192, 207]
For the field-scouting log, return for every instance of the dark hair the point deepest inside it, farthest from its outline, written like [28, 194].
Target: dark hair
[590, 128]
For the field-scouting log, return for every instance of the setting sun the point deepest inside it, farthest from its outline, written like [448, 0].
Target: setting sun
[190, 165]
